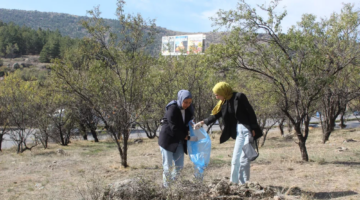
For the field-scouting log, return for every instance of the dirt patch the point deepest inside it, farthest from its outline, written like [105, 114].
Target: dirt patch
[25, 61]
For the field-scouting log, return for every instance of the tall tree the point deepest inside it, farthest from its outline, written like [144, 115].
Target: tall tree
[336, 98]
[19, 97]
[12, 50]
[296, 64]
[344, 47]
[115, 78]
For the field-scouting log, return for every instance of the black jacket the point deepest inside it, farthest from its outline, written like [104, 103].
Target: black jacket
[244, 114]
[174, 129]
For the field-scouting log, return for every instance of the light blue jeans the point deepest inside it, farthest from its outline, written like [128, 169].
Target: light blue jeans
[168, 158]
[240, 165]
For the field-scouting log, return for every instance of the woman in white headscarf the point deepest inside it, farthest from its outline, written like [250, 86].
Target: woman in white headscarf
[174, 133]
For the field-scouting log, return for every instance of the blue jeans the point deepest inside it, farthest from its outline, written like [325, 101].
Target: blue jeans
[240, 165]
[167, 161]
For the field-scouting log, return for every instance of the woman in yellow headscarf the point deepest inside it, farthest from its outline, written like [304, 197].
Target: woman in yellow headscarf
[240, 123]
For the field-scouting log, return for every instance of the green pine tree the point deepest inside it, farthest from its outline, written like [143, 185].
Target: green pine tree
[45, 54]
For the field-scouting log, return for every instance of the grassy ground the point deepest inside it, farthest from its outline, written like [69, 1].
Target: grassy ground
[45, 174]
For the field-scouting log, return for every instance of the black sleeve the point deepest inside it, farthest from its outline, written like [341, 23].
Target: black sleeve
[174, 118]
[250, 112]
[212, 118]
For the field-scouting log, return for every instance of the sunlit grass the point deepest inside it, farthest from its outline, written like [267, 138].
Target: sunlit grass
[279, 164]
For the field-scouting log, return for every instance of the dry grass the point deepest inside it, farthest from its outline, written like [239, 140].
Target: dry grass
[45, 174]
[32, 60]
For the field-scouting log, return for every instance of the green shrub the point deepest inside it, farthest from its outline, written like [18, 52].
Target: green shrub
[16, 66]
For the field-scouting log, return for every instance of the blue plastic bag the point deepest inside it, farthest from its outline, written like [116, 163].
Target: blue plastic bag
[199, 151]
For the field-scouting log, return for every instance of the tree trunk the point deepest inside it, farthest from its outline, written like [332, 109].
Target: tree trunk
[328, 125]
[289, 126]
[303, 150]
[67, 137]
[18, 148]
[1, 140]
[342, 121]
[62, 138]
[123, 152]
[281, 127]
[326, 136]
[44, 140]
[94, 134]
[150, 133]
[124, 159]
[83, 131]
[302, 142]
[125, 146]
[264, 139]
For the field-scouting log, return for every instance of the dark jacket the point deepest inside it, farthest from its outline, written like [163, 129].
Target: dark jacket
[244, 114]
[174, 129]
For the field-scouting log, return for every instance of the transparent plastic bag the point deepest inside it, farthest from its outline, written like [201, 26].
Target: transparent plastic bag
[199, 151]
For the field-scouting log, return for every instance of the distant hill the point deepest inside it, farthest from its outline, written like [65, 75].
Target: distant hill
[70, 25]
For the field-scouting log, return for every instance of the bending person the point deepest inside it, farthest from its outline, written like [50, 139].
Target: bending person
[174, 133]
[239, 121]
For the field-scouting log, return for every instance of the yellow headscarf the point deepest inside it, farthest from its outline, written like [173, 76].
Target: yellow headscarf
[222, 89]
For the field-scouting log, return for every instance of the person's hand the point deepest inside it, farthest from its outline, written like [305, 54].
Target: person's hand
[193, 138]
[253, 133]
[197, 125]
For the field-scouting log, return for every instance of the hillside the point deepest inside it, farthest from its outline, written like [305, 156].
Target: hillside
[70, 25]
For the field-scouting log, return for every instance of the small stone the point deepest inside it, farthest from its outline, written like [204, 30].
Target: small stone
[138, 141]
[349, 140]
[293, 191]
[215, 181]
[61, 151]
[278, 198]
[342, 149]
[222, 188]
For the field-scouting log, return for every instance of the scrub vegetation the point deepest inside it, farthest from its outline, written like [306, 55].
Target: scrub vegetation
[110, 83]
